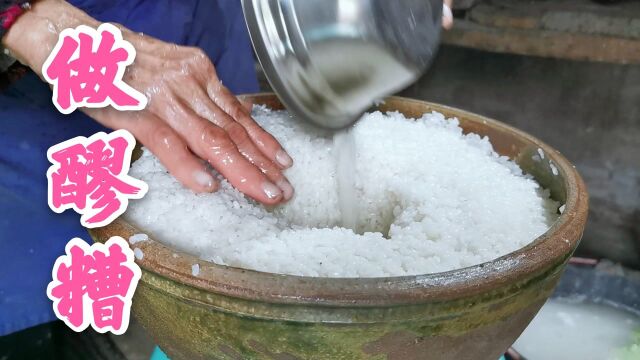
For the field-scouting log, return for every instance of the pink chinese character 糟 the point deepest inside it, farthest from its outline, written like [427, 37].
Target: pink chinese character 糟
[94, 285]
[71, 294]
[82, 76]
[90, 176]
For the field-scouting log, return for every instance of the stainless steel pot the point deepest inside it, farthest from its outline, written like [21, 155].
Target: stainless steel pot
[330, 60]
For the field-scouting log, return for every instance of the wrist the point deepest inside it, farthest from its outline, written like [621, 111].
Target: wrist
[35, 33]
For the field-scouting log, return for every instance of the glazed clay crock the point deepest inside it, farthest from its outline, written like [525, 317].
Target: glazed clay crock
[473, 313]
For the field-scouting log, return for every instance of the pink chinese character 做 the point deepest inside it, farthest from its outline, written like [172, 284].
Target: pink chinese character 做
[94, 285]
[86, 69]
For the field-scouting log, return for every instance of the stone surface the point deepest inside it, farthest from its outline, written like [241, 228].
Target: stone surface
[568, 29]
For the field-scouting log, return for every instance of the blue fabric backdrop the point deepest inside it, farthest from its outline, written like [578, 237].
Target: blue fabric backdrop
[31, 235]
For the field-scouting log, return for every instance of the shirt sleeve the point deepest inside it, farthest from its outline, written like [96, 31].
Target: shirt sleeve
[9, 11]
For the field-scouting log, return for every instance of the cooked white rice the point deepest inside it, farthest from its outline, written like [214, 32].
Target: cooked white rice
[430, 199]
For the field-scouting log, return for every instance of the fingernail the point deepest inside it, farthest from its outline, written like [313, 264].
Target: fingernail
[272, 191]
[284, 159]
[446, 11]
[287, 189]
[204, 179]
[447, 16]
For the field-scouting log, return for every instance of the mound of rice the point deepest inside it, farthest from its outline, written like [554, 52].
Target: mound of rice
[429, 199]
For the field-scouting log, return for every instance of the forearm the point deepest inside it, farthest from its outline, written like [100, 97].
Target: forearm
[34, 34]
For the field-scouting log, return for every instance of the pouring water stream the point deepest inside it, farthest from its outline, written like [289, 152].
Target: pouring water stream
[344, 147]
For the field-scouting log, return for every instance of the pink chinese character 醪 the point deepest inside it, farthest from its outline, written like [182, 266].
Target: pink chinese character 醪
[89, 175]
[86, 69]
[94, 285]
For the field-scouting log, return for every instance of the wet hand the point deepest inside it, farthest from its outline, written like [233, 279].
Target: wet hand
[190, 119]
[191, 116]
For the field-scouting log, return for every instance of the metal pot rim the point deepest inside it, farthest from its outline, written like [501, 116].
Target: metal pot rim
[547, 253]
[261, 46]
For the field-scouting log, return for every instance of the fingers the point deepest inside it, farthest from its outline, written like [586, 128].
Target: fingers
[216, 145]
[447, 14]
[189, 124]
[247, 148]
[218, 148]
[266, 143]
[205, 110]
[247, 104]
[172, 151]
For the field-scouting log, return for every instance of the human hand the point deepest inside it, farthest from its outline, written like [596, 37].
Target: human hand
[190, 115]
